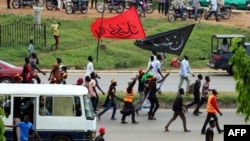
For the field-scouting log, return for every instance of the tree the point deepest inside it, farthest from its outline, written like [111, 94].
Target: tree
[241, 67]
[2, 127]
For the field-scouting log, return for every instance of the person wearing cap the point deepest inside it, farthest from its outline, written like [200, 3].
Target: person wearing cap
[128, 107]
[110, 101]
[178, 111]
[100, 137]
[33, 64]
[55, 75]
[183, 72]
[79, 81]
[212, 109]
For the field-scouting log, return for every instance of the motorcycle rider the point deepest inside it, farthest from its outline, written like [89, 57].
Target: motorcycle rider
[213, 10]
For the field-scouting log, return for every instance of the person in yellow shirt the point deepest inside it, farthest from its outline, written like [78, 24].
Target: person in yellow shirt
[55, 29]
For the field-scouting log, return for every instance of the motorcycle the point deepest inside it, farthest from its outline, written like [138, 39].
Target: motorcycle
[191, 13]
[177, 11]
[223, 12]
[149, 5]
[75, 5]
[18, 3]
[118, 6]
[51, 4]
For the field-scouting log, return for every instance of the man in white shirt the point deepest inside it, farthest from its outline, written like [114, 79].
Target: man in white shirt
[156, 70]
[183, 73]
[31, 48]
[90, 66]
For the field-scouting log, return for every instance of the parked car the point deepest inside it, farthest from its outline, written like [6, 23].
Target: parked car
[235, 4]
[220, 59]
[8, 72]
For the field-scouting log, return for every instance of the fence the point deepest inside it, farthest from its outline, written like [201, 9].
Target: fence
[20, 33]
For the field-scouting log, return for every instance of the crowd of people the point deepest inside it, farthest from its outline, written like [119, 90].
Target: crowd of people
[150, 83]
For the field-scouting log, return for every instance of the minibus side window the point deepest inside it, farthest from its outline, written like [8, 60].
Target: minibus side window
[5, 104]
[77, 106]
[62, 106]
[45, 105]
[89, 112]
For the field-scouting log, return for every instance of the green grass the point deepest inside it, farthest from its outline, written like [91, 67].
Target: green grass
[77, 42]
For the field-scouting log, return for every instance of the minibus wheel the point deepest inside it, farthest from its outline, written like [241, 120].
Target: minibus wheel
[61, 138]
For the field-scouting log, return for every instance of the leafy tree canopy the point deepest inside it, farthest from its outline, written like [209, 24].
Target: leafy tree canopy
[241, 67]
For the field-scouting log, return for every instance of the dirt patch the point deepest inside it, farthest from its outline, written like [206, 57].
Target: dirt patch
[238, 18]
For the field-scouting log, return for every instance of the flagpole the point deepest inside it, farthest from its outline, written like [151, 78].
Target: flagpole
[99, 38]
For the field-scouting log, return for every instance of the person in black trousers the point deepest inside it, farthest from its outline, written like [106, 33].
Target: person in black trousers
[166, 7]
[8, 4]
[196, 93]
[92, 3]
[178, 111]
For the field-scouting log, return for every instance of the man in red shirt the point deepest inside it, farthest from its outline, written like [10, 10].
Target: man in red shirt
[27, 72]
[212, 109]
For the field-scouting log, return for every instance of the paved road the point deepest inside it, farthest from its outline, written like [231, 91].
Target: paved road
[219, 81]
[154, 130]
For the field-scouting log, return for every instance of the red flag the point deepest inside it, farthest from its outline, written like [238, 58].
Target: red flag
[124, 26]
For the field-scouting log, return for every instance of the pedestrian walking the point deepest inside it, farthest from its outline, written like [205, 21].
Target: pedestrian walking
[213, 10]
[100, 137]
[25, 127]
[55, 29]
[31, 48]
[209, 131]
[183, 72]
[92, 92]
[212, 108]
[196, 93]
[204, 95]
[33, 64]
[128, 107]
[153, 98]
[179, 110]
[141, 86]
[55, 75]
[156, 71]
[90, 66]
[110, 101]
[27, 73]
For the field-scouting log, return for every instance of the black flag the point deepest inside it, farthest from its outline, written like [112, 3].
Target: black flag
[172, 41]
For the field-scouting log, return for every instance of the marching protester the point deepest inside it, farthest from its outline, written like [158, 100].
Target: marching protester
[128, 107]
[183, 72]
[178, 111]
[212, 109]
[90, 66]
[204, 95]
[55, 75]
[209, 131]
[100, 137]
[110, 100]
[196, 93]
[141, 86]
[25, 127]
[33, 64]
[27, 73]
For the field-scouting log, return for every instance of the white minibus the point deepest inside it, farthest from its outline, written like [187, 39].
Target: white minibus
[58, 112]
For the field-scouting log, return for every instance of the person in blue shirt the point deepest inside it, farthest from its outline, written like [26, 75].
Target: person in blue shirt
[25, 127]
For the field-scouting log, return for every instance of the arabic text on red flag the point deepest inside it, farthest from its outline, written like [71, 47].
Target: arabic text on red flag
[124, 26]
